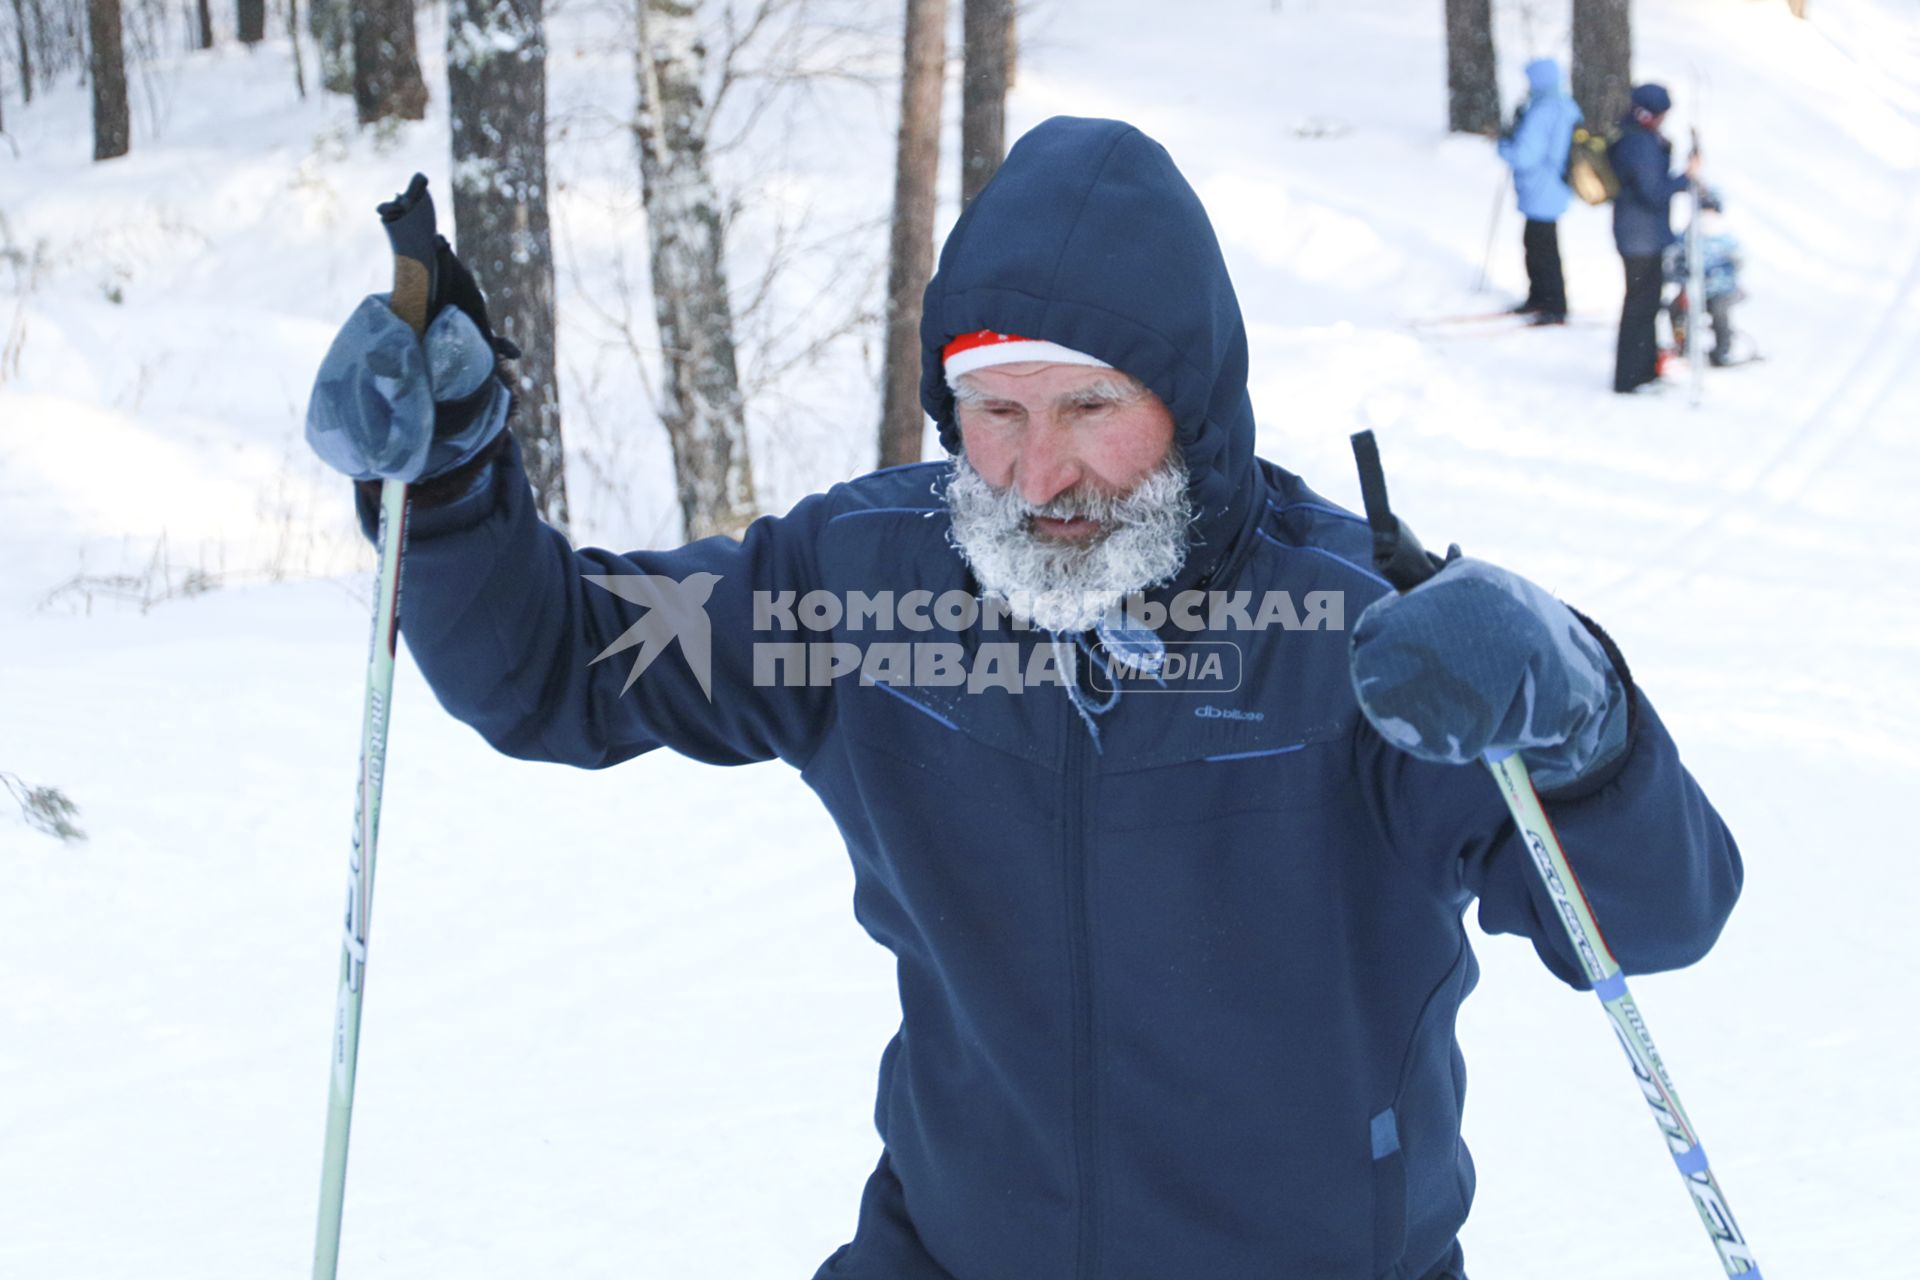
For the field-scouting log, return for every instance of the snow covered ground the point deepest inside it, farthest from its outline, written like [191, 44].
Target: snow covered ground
[626, 1025]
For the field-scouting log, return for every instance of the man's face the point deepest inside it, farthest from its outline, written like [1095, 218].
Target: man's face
[1068, 494]
[1048, 430]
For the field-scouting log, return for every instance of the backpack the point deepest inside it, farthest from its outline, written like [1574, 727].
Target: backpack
[1589, 171]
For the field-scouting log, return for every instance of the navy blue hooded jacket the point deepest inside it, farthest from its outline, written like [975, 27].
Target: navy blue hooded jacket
[1180, 1004]
[1642, 218]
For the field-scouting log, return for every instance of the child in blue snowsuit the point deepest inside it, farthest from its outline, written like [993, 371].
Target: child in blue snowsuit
[1720, 251]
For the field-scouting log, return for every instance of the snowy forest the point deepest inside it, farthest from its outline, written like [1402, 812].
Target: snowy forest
[625, 1023]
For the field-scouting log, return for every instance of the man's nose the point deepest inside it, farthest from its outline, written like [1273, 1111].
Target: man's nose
[1049, 461]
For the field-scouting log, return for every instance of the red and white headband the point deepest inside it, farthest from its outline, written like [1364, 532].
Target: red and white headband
[986, 348]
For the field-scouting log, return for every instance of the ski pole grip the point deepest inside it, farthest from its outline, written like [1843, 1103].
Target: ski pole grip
[1397, 553]
[410, 230]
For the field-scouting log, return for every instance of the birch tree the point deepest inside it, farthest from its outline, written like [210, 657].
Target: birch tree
[1602, 59]
[293, 41]
[330, 23]
[386, 62]
[497, 99]
[107, 61]
[1473, 89]
[910, 258]
[987, 41]
[700, 402]
[26, 58]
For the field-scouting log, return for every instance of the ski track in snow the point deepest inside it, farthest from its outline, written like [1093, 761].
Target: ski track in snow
[623, 1024]
[1879, 369]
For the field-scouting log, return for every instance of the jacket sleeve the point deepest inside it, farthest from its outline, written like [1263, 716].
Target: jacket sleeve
[1527, 150]
[499, 614]
[1724, 250]
[1656, 863]
[1642, 169]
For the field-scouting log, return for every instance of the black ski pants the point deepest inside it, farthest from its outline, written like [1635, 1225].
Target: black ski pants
[1546, 286]
[1636, 359]
[1720, 311]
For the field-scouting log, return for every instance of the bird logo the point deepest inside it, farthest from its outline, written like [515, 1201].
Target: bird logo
[675, 609]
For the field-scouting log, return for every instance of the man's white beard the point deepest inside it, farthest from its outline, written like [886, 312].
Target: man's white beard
[1069, 586]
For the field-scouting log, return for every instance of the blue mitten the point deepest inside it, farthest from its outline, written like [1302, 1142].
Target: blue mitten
[1477, 660]
[388, 405]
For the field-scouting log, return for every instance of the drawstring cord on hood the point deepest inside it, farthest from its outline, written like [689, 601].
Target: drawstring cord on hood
[1123, 642]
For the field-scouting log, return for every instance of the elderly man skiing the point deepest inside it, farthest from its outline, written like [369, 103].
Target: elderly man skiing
[1179, 957]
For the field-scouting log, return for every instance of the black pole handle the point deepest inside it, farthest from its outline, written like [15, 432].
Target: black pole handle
[1397, 553]
[410, 230]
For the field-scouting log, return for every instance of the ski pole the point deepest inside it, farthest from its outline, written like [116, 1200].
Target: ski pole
[410, 229]
[1696, 283]
[1493, 230]
[1405, 564]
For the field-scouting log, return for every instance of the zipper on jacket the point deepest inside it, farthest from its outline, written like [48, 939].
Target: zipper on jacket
[1079, 944]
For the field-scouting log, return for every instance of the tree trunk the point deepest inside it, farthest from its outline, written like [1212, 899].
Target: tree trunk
[252, 21]
[386, 62]
[1013, 46]
[497, 102]
[26, 60]
[988, 36]
[330, 22]
[1473, 86]
[203, 13]
[910, 258]
[1602, 59]
[293, 38]
[700, 404]
[112, 130]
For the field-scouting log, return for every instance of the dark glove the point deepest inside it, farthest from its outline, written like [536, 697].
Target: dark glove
[1477, 661]
[388, 405]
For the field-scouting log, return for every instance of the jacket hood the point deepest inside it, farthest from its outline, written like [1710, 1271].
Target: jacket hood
[1543, 77]
[1088, 236]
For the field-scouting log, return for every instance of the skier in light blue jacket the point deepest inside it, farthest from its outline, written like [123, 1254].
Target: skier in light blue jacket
[1536, 149]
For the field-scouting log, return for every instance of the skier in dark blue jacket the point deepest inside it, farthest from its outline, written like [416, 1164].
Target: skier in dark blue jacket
[1643, 228]
[1536, 150]
[1172, 841]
